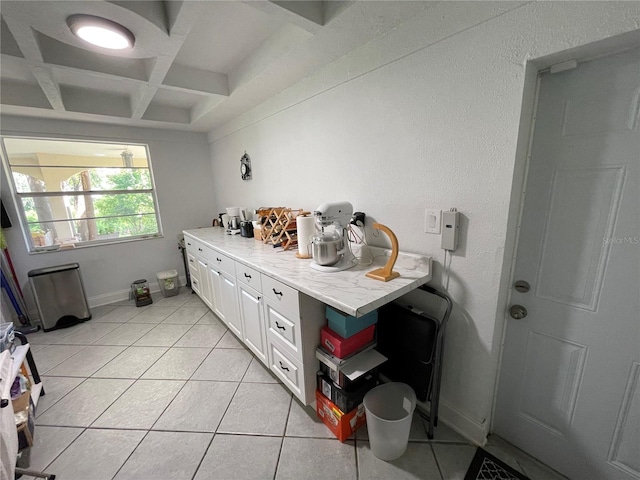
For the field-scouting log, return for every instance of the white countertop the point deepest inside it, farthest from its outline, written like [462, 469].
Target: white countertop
[349, 291]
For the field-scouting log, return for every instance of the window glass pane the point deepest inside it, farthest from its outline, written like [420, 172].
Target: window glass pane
[82, 192]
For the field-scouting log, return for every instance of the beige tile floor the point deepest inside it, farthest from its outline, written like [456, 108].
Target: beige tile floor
[167, 392]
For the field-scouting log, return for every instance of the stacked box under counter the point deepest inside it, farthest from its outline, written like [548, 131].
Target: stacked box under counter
[275, 304]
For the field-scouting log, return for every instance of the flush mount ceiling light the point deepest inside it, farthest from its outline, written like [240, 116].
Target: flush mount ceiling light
[101, 32]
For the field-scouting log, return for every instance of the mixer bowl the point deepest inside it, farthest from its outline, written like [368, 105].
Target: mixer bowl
[325, 251]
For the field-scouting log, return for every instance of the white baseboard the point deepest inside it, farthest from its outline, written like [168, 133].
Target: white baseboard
[462, 424]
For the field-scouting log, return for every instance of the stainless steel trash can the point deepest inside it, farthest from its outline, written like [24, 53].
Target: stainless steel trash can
[59, 295]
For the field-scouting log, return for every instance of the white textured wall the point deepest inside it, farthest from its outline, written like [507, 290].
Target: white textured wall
[426, 117]
[183, 179]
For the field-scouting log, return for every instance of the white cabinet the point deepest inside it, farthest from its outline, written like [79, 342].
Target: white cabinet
[198, 269]
[230, 303]
[280, 325]
[251, 314]
[293, 322]
[205, 288]
[225, 302]
[215, 280]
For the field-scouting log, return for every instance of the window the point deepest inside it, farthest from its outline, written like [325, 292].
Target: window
[74, 194]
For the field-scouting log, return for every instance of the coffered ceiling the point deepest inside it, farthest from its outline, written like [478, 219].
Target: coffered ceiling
[195, 64]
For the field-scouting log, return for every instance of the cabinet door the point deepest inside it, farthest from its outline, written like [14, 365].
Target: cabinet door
[216, 288]
[204, 287]
[229, 299]
[253, 321]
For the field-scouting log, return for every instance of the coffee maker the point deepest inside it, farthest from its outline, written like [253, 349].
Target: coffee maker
[233, 224]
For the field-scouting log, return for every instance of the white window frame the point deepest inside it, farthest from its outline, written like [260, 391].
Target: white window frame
[18, 204]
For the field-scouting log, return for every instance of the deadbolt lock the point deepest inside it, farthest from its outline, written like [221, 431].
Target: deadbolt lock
[517, 312]
[522, 286]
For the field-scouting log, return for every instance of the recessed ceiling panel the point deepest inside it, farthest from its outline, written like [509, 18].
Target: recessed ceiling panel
[59, 53]
[225, 33]
[22, 94]
[17, 69]
[176, 98]
[96, 82]
[8, 44]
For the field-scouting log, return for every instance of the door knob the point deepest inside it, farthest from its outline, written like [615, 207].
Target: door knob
[517, 312]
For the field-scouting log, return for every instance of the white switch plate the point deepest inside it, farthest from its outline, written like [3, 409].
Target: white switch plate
[432, 221]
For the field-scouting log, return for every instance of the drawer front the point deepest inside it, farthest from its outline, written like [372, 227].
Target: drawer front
[281, 294]
[193, 264]
[284, 328]
[195, 285]
[249, 276]
[194, 247]
[287, 369]
[220, 260]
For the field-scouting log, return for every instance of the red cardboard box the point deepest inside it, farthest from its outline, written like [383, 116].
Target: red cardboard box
[341, 424]
[343, 347]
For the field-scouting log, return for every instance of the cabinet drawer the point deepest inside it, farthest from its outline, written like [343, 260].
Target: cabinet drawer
[221, 261]
[193, 264]
[280, 293]
[287, 369]
[195, 285]
[248, 276]
[194, 247]
[284, 328]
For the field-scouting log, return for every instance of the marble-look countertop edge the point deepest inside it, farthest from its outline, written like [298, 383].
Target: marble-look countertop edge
[415, 270]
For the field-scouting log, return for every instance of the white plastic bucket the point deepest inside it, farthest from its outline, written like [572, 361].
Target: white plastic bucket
[389, 409]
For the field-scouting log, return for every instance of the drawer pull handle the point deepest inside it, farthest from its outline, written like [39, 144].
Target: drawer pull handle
[277, 292]
[199, 249]
[247, 276]
[218, 259]
[191, 260]
[330, 345]
[188, 244]
[278, 325]
[283, 367]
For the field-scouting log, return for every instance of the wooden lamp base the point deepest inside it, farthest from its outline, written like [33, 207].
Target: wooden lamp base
[386, 273]
[381, 274]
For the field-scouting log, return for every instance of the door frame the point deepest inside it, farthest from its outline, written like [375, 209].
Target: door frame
[533, 71]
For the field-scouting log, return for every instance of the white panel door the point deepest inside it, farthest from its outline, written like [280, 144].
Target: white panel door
[255, 335]
[230, 309]
[569, 391]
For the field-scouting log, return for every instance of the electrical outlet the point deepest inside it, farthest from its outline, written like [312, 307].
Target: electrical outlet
[432, 221]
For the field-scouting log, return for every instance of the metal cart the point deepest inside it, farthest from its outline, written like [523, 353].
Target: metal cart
[414, 344]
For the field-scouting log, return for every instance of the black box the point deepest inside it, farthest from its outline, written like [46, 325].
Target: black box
[344, 400]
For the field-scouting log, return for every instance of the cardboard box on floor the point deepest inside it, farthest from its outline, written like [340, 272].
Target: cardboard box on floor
[24, 410]
[341, 424]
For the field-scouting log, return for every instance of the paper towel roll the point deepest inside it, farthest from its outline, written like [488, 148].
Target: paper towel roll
[306, 228]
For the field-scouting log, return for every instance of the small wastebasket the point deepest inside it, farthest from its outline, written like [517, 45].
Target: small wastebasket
[168, 282]
[389, 410]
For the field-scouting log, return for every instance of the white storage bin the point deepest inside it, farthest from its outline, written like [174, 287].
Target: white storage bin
[168, 282]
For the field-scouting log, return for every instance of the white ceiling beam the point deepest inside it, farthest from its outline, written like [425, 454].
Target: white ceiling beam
[49, 86]
[310, 18]
[181, 23]
[27, 41]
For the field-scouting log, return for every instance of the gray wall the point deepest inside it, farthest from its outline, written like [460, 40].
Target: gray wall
[184, 183]
[426, 117]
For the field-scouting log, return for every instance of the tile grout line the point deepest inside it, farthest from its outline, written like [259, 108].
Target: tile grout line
[284, 434]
